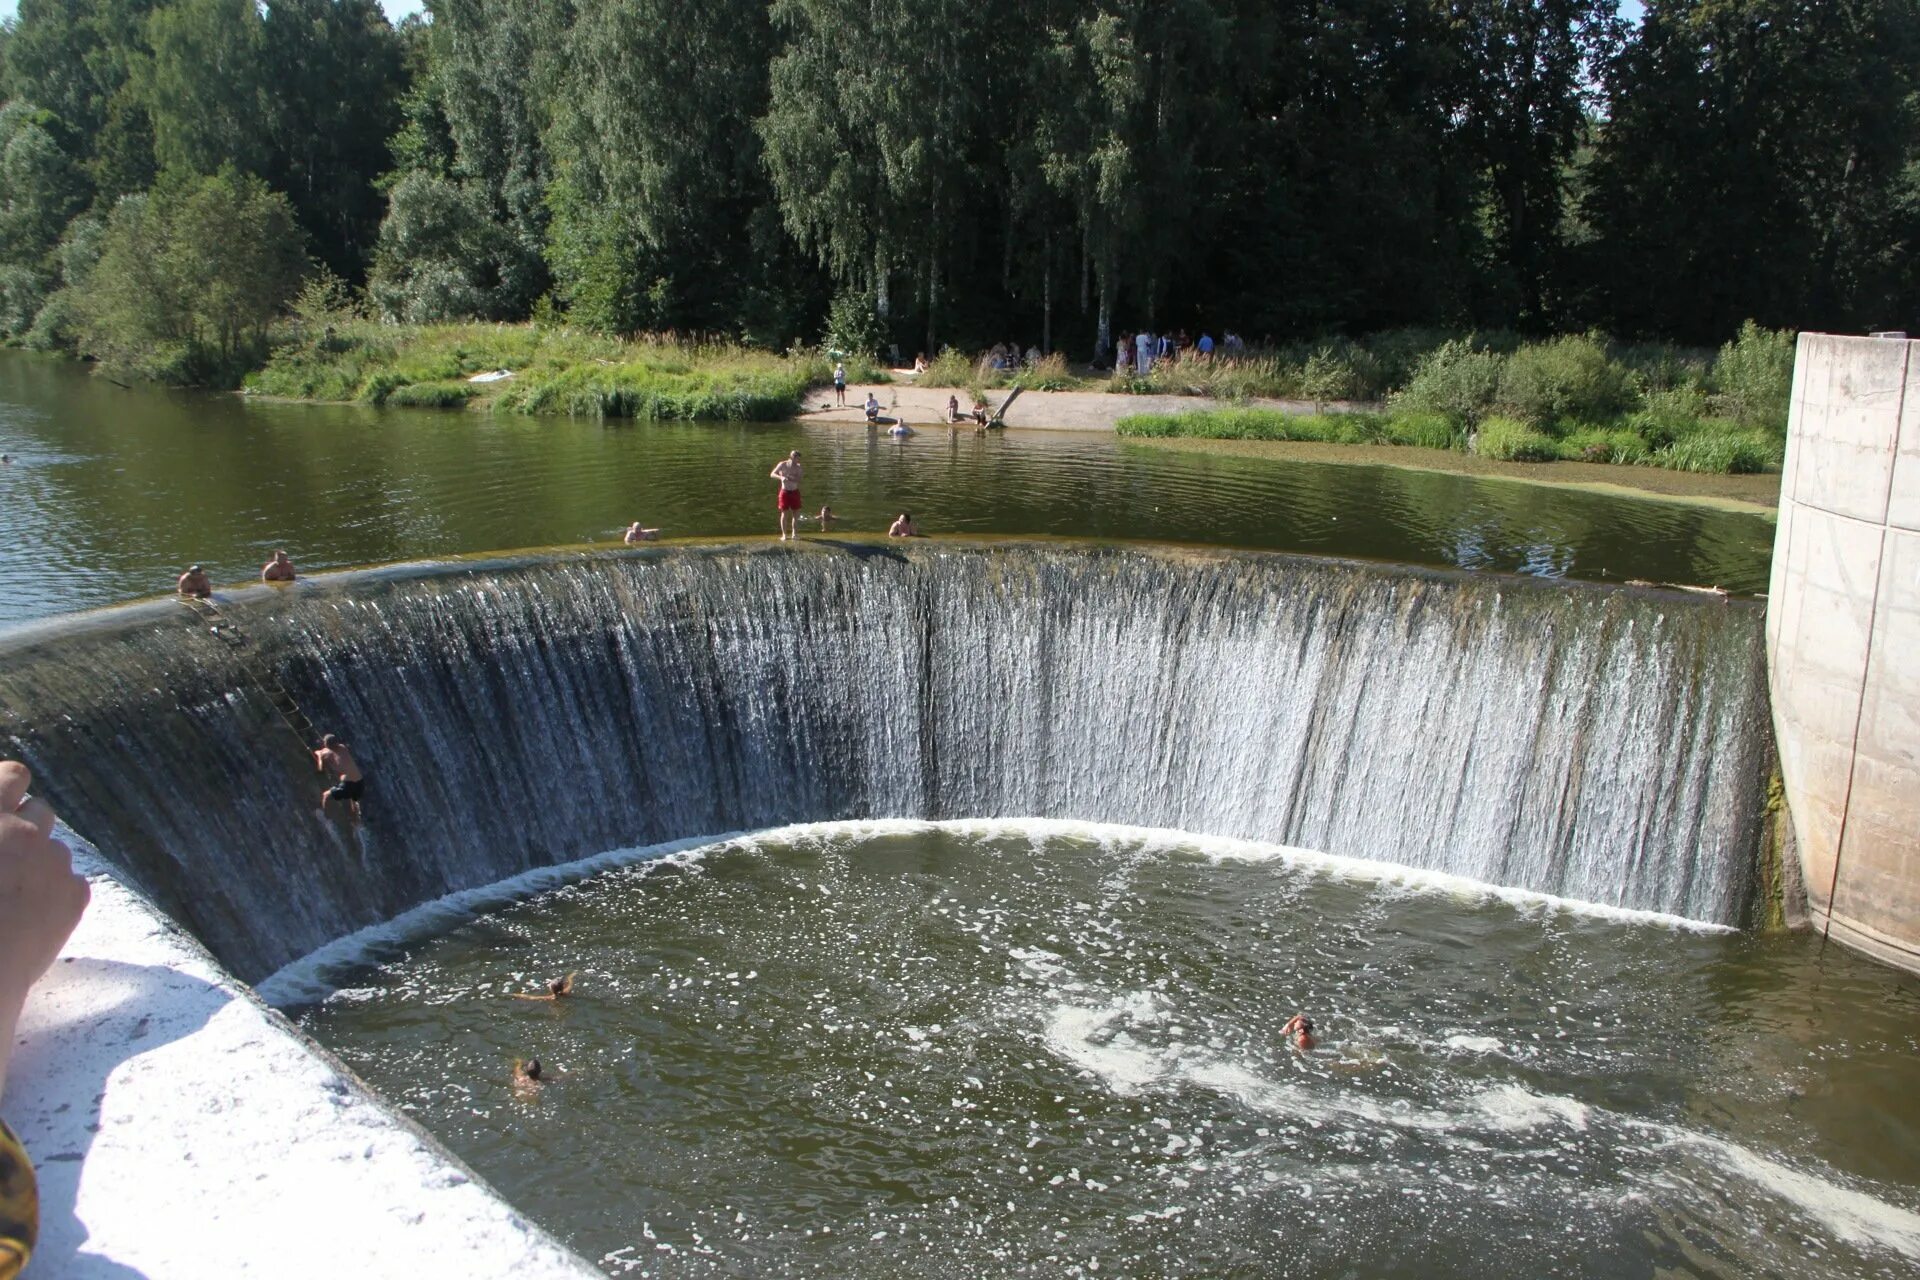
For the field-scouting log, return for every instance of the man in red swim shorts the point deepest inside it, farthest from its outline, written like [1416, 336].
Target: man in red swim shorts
[787, 472]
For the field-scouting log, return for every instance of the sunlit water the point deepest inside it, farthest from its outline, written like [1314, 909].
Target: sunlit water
[113, 491]
[1044, 1049]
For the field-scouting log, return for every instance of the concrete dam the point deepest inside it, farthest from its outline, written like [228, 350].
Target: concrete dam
[1609, 745]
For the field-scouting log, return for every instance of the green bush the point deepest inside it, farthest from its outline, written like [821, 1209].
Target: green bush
[853, 327]
[1570, 379]
[432, 395]
[1753, 378]
[1454, 381]
[1511, 441]
[1423, 430]
[1600, 444]
[1049, 374]
[1258, 424]
[1329, 375]
[1721, 446]
[948, 369]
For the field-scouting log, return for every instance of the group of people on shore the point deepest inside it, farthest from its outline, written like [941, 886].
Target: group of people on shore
[1137, 353]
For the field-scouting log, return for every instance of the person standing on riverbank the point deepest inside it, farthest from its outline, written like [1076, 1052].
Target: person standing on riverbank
[278, 569]
[840, 383]
[194, 583]
[787, 471]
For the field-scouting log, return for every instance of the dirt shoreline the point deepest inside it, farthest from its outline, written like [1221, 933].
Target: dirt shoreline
[1098, 411]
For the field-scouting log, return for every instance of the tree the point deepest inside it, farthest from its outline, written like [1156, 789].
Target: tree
[442, 256]
[189, 277]
[41, 188]
[335, 79]
[204, 86]
[1759, 162]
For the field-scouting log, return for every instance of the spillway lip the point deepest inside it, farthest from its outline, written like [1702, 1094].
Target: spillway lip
[36, 632]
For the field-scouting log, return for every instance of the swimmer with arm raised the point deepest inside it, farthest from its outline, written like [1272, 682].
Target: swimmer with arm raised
[556, 989]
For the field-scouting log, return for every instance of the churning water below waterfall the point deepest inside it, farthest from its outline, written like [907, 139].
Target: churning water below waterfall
[995, 1048]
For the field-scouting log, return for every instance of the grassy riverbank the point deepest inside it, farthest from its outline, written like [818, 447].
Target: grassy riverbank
[1709, 445]
[553, 371]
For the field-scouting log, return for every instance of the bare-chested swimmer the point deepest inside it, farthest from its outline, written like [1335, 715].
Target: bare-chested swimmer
[787, 472]
[350, 784]
[556, 989]
[1299, 1031]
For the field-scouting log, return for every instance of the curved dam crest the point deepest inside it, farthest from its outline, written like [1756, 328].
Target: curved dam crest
[1604, 744]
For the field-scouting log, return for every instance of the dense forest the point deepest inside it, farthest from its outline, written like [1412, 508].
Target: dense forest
[1049, 171]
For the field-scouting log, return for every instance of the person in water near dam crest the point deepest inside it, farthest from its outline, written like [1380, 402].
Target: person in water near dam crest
[41, 900]
[350, 784]
[193, 583]
[903, 526]
[278, 569]
[635, 533]
[788, 471]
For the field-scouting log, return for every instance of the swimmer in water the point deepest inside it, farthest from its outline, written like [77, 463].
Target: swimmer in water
[637, 534]
[557, 989]
[1299, 1030]
[528, 1076]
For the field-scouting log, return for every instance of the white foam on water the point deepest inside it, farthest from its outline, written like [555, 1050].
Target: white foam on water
[1095, 1038]
[1475, 1044]
[313, 977]
[1135, 843]
[1854, 1216]
[310, 979]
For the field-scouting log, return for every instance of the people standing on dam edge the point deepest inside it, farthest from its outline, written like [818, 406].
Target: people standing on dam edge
[194, 583]
[41, 900]
[350, 784]
[788, 471]
[278, 569]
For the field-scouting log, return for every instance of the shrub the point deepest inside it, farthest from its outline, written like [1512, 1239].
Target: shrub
[1753, 377]
[852, 325]
[1568, 379]
[1511, 441]
[948, 369]
[1328, 375]
[1049, 373]
[1423, 431]
[1718, 445]
[432, 395]
[1454, 381]
[1600, 444]
[1666, 415]
[1258, 424]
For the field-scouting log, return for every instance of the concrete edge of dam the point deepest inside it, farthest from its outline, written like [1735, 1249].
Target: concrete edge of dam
[182, 1128]
[1843, 624]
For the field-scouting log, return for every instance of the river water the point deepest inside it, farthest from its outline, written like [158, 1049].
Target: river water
[1001, 1049]
[112, 491]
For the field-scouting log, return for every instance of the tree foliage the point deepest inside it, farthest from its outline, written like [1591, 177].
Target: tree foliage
[189, 276]
[992, 171]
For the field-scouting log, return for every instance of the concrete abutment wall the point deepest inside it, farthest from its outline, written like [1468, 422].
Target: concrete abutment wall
[1843, 638]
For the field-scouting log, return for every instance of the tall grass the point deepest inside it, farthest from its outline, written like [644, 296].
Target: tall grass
[1707, 445]
[555, 371]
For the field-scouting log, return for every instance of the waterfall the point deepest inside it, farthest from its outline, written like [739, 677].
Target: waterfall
[1603, 744]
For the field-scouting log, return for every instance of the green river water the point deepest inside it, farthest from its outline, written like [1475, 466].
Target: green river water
[113, 491]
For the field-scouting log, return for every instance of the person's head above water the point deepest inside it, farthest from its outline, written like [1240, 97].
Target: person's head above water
[794, 456]
[330, 742]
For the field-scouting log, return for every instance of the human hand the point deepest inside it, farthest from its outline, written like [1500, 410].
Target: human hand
[40, 897]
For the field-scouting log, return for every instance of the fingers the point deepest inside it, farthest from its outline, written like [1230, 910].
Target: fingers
[39, 813]
[15, 778]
